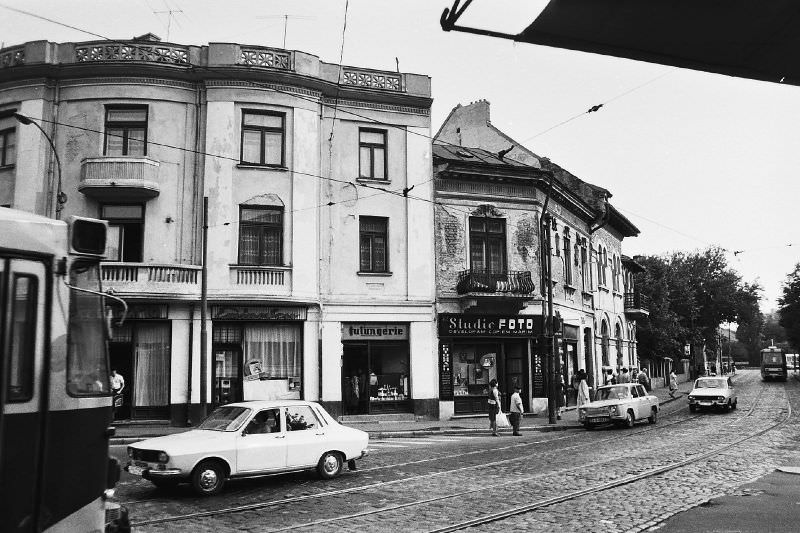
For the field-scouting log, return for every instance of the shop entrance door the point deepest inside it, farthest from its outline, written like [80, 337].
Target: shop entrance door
[121, 358]
[355, 378]
[515, 374]
[227, 376]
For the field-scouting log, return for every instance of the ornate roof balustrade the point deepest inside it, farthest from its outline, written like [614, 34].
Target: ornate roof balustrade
[372, 79]
[259, 56]
[109, 51]
[11, 57]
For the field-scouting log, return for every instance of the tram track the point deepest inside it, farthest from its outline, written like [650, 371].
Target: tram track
[408, 479]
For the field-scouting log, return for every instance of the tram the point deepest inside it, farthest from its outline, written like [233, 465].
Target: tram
[773, 364]
[55, 395]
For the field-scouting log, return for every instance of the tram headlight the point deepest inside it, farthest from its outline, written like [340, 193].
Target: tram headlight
[163, 457]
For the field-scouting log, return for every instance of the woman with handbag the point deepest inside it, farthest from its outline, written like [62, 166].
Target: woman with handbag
[493, 408]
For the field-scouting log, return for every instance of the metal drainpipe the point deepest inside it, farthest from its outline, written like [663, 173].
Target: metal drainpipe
[191, 355]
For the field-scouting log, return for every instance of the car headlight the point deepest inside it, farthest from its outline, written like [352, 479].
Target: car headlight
[720, 398]
[613, 410]
[163, 457]
[130, 452]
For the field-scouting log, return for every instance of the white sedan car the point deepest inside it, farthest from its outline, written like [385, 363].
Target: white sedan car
[621, 404]
[714, 392]
[249, 439]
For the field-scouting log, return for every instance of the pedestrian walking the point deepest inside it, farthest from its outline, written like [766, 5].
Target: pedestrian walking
[583, 388]
[733, 368]
[493, 408]
[562, 396]
[673, 383]
[516, 410]
[624, 376]
[643, 379]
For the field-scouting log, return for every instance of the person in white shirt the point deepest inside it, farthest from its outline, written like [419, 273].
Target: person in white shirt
[515, 410]
[117, 382]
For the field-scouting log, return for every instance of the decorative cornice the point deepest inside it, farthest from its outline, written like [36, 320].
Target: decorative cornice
[134, 52]
[372, 79]
[213, 84]
[380, 107]
[128, 80]
[265, 57]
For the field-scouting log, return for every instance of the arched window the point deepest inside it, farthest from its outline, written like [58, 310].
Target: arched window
[618, 341]
[604, 346]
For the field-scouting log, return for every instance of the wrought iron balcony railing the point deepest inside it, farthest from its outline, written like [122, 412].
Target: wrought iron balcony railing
[636, 302]
[480, 281]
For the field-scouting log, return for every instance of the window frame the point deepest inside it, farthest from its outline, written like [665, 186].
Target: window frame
[6, 133]
[125, 126]
[488, 237]
[262, 130]
[279, 228]
[372, 147]
[362, 233]
[27, 360]
[567, 260]
[117, 222]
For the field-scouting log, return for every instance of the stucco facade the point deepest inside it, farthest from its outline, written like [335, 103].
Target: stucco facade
[277, 143]
[484, 178]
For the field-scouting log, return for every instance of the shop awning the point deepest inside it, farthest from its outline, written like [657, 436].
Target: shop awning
[743, 38]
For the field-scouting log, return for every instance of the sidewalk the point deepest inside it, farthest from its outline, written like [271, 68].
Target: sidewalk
[128, 433]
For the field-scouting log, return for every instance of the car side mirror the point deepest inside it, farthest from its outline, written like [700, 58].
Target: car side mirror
[244, 432]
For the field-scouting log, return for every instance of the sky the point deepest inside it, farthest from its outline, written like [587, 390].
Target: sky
[692, 159]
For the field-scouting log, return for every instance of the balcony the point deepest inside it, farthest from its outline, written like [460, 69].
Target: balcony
[637, 305]
[261, 280]
[147, 279]
[112, 179]
[511, 283]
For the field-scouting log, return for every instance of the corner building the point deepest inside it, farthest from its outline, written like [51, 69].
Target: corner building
[491, 292]
[311, 287]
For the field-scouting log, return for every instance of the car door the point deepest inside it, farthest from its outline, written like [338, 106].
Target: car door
[306, 436]
[261, 447]
[635, 401]
[643, 402]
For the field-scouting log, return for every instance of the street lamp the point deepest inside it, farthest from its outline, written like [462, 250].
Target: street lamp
[61, 198]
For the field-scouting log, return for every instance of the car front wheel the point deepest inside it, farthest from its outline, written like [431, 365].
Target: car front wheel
[735, 402]
[330, 465]
[653, 418]
[629, 420]
[208, 478]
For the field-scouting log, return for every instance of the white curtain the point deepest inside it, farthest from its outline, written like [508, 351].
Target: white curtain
[277, 346]
[151, 385]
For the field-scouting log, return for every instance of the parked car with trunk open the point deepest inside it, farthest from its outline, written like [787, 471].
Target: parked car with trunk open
[621, 404]
[248, 439]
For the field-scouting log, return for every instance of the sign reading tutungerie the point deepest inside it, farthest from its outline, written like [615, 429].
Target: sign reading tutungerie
[376, 332]
[452, 325]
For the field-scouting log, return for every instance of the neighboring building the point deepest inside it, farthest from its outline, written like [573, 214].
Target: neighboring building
[491, 297]
[312, 292]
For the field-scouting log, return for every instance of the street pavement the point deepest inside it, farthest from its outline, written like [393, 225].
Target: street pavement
[127, 433]
[649, 478]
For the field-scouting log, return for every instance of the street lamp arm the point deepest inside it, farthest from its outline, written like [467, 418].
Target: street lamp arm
[61, 197]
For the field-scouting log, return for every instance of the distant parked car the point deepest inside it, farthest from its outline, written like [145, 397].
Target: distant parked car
[247, 439]
[622, 404]
[713, 392]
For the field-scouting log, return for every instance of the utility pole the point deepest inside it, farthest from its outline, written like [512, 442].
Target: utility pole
[549, 330]
[203, 316]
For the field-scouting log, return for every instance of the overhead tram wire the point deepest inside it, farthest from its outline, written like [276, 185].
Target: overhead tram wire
[318, 102]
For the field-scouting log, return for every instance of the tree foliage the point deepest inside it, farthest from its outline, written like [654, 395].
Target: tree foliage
[691, 294]
[789, 309]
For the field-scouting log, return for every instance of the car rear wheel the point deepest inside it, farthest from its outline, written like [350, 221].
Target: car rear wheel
[330, 465]
[208, 478]
[629, 419]
[735, 402]
[653, 418]
[728, 406]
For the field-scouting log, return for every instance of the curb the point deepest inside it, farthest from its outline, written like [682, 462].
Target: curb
[381, 434]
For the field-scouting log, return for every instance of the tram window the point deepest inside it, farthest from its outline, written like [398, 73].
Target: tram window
[23, 337]
[87, 366]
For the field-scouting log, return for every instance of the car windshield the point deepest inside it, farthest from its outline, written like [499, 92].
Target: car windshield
[709, 384]
[225, 419]
[612, 393]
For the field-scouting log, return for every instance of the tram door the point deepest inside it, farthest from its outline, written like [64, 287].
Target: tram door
[22, 309]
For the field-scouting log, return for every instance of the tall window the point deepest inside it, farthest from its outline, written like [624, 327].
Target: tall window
[567, 261]
[602, 266]
[487, 244]
[8, 147]
[615, 272]
[585, 270]
[126, 130]
[261, 236]
[263, 138]
[604, 346]
[372, 154]
[125, 240]
[372, 244]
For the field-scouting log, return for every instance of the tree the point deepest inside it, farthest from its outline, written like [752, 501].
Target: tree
[789, 309]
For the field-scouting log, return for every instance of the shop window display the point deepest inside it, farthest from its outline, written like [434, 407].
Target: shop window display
[473, 368]
[376, 377]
